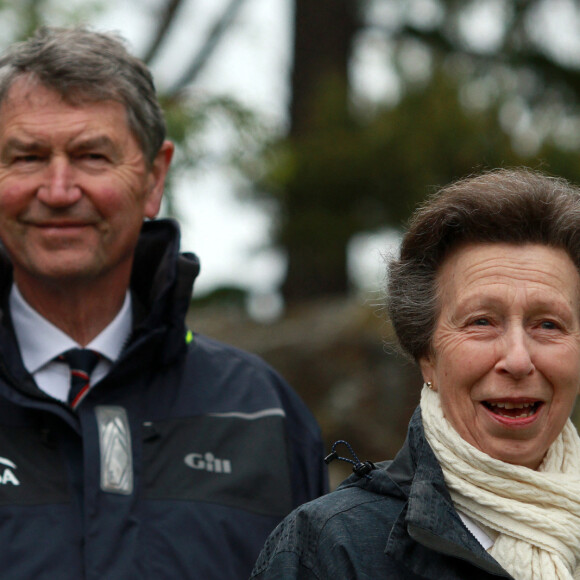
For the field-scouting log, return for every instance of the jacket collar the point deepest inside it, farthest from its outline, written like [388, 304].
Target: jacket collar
[429, 520]
[161, 284]
[161, 275]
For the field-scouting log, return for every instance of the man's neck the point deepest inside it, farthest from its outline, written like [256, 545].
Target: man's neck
[80, 310]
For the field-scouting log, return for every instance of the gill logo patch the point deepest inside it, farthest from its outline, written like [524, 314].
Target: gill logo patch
[208, 462]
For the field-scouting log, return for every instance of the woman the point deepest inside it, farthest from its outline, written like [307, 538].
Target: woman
[485, 297]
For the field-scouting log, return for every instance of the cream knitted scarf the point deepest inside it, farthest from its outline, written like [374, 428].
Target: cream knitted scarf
[535, 513]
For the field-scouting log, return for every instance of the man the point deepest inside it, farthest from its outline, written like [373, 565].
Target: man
[129, 447]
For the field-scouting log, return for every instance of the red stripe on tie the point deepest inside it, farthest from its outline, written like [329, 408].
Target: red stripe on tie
[80, 396]
[81, 363]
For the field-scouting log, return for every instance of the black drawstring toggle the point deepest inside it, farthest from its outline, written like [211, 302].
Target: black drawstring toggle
[361, 468]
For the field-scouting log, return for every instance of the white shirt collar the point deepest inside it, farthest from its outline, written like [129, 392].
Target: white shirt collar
[40, 341]
[477, 532]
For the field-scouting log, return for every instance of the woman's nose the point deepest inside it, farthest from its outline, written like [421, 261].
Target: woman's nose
[515, 356]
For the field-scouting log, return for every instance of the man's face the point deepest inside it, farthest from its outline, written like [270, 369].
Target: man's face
[74, 187]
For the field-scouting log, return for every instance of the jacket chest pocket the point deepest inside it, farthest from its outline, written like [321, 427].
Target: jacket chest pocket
[233, 459]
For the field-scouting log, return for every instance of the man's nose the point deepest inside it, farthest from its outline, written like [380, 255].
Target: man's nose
[515, 357]
[59, 188]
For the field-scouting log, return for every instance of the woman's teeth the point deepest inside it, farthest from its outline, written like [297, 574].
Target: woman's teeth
[513, 410]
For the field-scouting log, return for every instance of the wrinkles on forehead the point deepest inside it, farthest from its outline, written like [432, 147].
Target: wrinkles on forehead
[489, 271]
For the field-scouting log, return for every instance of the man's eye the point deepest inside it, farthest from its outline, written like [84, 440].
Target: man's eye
[548, 325]
[481, 322]
[27, 158]
[93, 156]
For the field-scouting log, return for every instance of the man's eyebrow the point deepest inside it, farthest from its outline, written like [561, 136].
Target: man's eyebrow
[14, 143]
[99, 141]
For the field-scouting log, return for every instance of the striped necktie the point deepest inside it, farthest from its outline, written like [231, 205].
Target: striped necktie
[81, 361]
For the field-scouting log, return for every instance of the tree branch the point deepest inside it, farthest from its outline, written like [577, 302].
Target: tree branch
[202, 56]
[167, 16]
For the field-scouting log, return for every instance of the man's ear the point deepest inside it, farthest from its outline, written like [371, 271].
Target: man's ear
[156, 179]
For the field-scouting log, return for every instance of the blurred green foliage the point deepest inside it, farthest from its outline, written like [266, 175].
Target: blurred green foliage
[365, 173]
[353, 166]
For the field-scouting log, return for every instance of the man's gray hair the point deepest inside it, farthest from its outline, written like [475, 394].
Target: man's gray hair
[87, 66]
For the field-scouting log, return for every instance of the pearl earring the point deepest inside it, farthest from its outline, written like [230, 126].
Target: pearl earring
[429, 385]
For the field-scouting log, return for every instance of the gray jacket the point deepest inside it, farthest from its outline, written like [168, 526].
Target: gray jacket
[399, 523]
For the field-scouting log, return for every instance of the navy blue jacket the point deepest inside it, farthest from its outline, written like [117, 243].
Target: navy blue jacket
[178, 464]
[399, 523]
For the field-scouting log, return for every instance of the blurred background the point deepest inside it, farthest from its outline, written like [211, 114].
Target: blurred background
[307, 131]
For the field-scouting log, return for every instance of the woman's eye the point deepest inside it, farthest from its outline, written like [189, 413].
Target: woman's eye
[480, 322]
[548, 325]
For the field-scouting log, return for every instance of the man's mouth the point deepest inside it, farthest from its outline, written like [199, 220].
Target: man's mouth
[513, 410]
[62, 225]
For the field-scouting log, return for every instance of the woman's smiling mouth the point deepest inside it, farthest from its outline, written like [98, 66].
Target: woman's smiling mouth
[511, 410]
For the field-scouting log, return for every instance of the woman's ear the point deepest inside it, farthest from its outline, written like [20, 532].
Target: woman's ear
[426, 364]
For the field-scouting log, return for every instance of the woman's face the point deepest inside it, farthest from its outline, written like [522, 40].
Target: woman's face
[506, 347]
